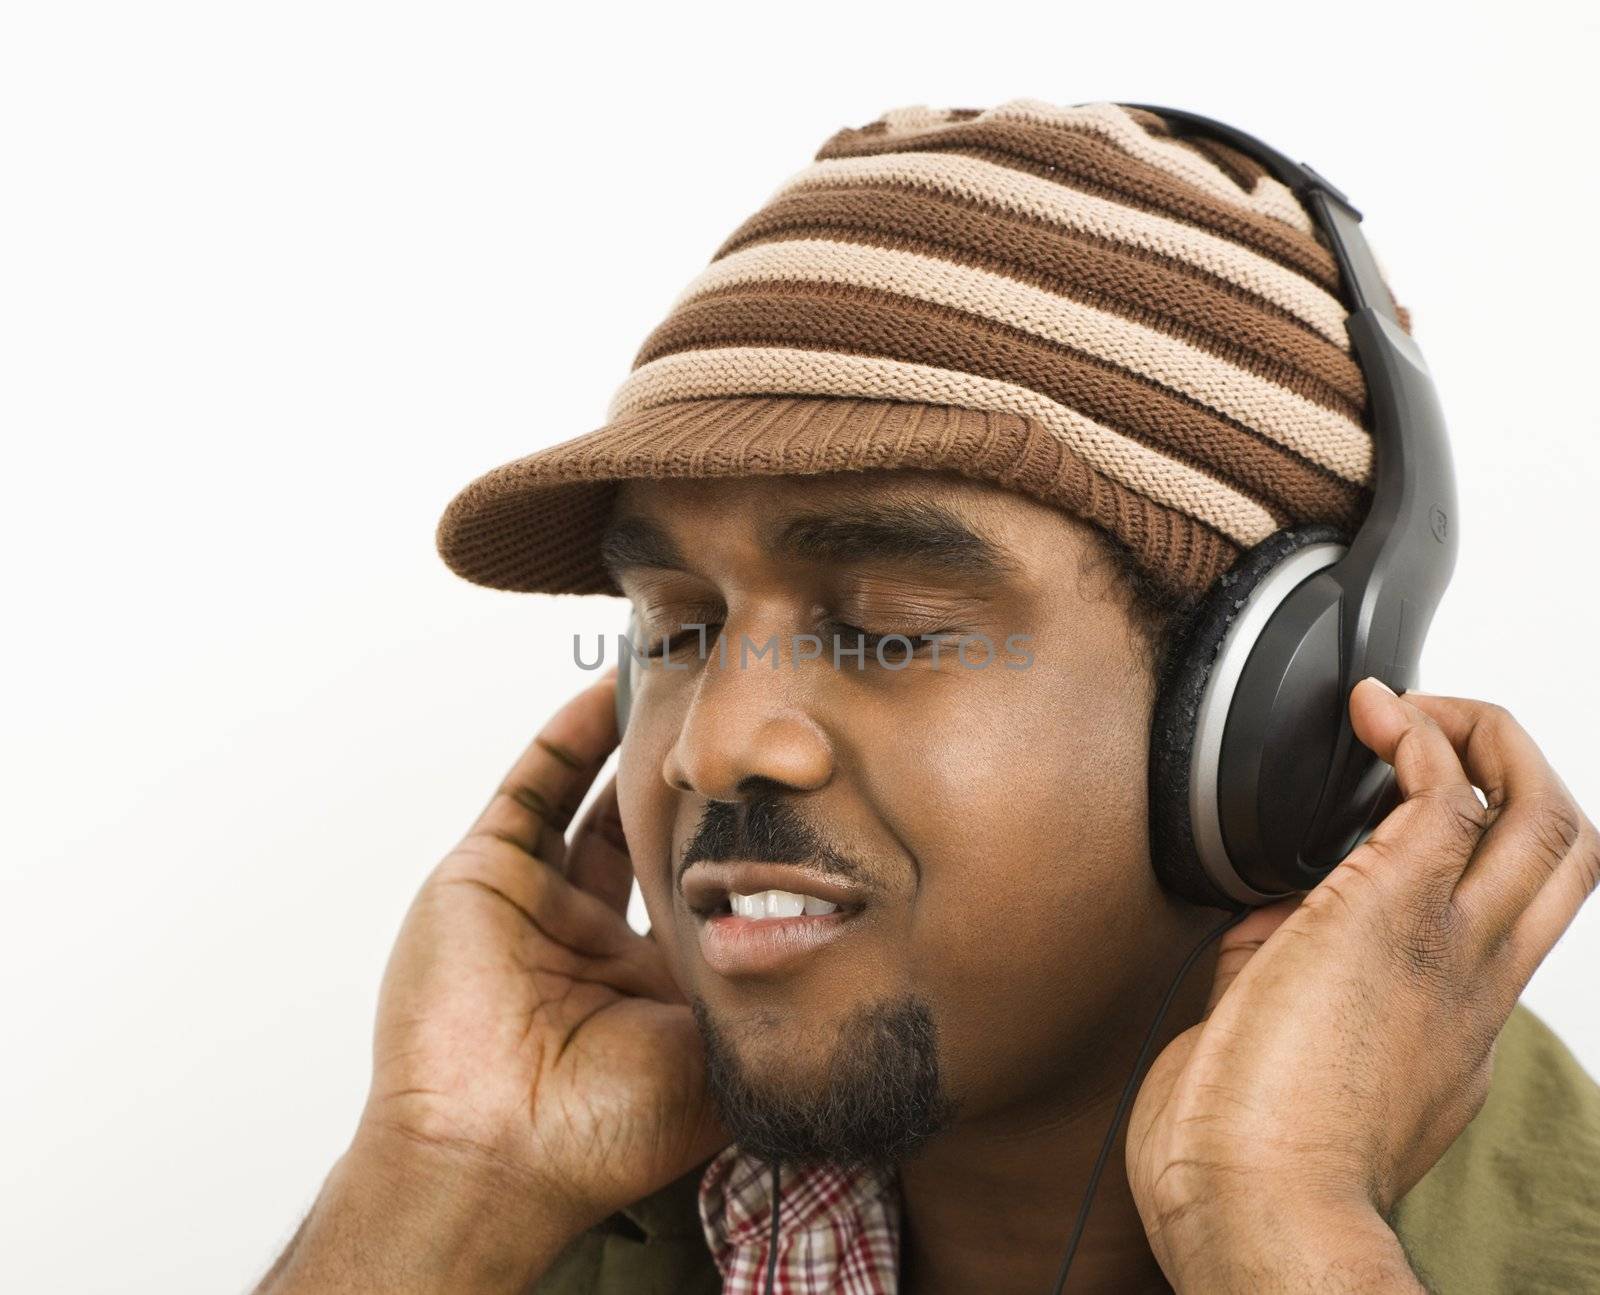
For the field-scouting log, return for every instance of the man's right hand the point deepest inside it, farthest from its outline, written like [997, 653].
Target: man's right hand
[533, 1053]
[522, 1022]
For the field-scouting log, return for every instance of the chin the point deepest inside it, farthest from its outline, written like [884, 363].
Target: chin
[867, 1088]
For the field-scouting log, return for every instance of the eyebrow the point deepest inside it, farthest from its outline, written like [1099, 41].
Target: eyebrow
[633, 542]
[919, 532]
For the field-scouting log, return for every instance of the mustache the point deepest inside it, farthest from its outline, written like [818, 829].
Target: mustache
[764, 829]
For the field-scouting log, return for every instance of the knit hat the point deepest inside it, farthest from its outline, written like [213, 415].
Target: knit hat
[1069, 302]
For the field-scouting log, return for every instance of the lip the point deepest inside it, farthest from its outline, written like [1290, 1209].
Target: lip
[749, 946]
[746, 946]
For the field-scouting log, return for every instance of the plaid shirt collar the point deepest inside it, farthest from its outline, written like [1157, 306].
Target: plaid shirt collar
[838, 1231]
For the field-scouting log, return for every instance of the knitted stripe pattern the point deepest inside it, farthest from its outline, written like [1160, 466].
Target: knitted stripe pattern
[1070, 302]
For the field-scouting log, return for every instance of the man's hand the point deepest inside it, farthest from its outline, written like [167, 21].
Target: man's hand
[1350, 1034]
[535, 1065]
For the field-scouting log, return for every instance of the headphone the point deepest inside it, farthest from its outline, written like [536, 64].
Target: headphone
[1258, 786]
[628, 662]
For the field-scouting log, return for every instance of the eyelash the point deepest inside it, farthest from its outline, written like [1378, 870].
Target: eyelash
[917, 639]
[687, 636]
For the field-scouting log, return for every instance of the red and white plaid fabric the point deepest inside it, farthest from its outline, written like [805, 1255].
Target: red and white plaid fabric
[838, 1233]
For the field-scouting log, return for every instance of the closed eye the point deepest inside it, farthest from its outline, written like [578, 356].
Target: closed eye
[703, 632]
[918, 638]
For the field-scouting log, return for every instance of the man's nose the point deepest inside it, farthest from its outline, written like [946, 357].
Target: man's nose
[749, 727]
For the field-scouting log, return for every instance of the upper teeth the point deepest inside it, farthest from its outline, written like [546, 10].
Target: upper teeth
[778, 903]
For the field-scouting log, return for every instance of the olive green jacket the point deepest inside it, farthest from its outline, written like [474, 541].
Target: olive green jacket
[1512, 1208]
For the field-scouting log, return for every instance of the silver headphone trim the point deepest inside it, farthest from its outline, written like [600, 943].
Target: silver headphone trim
[1205, 756]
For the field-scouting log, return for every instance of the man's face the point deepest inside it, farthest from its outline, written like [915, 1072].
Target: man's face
[990, 820]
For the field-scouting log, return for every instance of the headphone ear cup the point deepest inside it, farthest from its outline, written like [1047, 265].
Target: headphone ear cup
[1185, 669]
[626, 663]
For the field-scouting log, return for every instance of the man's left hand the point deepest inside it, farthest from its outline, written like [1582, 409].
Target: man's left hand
[1350, 1033]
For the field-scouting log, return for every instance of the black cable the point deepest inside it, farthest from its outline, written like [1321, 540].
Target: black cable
[772, 1245]
[1128, 1091]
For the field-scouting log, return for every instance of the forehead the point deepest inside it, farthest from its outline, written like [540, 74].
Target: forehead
[934, 519]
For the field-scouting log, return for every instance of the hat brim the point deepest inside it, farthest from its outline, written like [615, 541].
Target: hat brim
[535, 524]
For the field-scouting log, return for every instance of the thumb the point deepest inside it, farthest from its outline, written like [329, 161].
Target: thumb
[1239, 945]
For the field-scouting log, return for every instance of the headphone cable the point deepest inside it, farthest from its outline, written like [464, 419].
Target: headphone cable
[772, 1245]
[1128, 1090]
[1131, 1088]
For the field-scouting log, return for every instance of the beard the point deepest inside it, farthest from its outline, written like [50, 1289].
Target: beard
[881, 1102]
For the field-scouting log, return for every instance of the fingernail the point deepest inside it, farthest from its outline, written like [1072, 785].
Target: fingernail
[1372, 678]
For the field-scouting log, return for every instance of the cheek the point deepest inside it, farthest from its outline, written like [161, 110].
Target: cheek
[1024, 793]
[1035, 889]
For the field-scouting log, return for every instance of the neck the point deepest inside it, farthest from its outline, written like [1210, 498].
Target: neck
[990, 1205]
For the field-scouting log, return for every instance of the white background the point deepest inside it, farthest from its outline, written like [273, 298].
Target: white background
[279, 279]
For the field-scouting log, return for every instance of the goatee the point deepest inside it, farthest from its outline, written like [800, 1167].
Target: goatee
[882, 1101]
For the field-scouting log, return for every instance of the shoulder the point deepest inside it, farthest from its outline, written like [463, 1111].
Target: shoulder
[656, 1246]
[1514, 1204]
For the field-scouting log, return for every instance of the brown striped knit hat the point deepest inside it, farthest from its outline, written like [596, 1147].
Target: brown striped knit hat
[1066, 301]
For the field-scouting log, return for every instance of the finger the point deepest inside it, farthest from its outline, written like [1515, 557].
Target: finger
[538, 797]
[1549, 915]
[1427, 840]
[597, 857]
[1240, 943]
[1537, 863]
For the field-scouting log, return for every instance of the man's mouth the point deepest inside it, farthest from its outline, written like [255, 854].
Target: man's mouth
[768, 892]
[748, 925]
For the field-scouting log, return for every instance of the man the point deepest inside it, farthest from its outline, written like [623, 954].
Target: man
[905, 932]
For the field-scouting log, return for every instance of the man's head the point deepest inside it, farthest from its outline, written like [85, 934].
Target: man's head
[1116, 359]
[992, 817]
